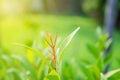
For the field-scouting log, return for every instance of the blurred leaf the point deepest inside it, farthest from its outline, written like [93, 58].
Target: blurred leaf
[40, 70]
[7, 60]
[118, 61]
[30, 56]
[86, 70]
[108, 43]
[2, 68]
[111, 73]
[104, 38]
[99, 31]
[66, 42]
[95, 71]
[15, 72]
[38, 53]
[46, 78]
[100, 63]
[27, 65]
[67, 71]
[102, 77]
[53, 75]
[107, 58]
[101, 43]
[93, 49]
[9, 77]
[115, 77]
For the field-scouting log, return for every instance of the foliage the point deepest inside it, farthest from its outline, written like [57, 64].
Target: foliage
[39, 65]
[35, 68]
[95, 69]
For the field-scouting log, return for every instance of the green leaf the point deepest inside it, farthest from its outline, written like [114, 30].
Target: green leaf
[8, 60]
[66, 42]
[108, 43]
[93, 49]
[104, 38]
[27, 65]
[108, 58]
[99, 31]
[86, 70]
[15, 72]
[100, 63]
[53, 75]
[37, 52]
[95, 71]
[30, 56]
[111, 73]
[40, 70]
[68, 70]
[3, 68]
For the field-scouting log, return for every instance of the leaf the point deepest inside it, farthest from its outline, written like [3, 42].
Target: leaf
[30, 56]
[68, 70]
[95, 70]
[15, 72]
[37, 52]
[108, 43]
[108, 58]
[104, 38]
[93, 49]
[40, 70]
[102, 77]
[99, 31]
[100, 63]
[66, 42]
[53, 75]
[2, 68]
[7, 59]
[27, 65]
[86, 70]
[111, 73]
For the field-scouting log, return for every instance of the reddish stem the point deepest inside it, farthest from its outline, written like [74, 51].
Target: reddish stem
[52, 45]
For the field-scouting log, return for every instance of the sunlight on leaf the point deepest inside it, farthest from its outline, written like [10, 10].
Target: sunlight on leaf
[27, 65]
[30, 56]
[53, 75]
[111, 73]
[15, 72]
[66, 42]
[37, 52]
[102, 77]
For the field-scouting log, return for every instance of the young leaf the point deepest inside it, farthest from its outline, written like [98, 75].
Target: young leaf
[66, 42]
[104, 38]
[53, 75]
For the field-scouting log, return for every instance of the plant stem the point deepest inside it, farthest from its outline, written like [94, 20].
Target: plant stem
[54, 58]
[52, 45]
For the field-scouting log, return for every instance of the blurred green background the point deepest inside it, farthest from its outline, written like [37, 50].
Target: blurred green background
[23, 21]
